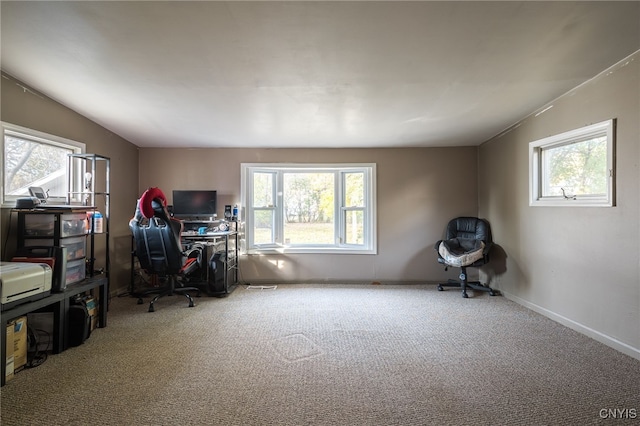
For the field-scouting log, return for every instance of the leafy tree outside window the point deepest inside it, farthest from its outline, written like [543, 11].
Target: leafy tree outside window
[579, 168]
[31, 158]
[574, 168]
[309, 208]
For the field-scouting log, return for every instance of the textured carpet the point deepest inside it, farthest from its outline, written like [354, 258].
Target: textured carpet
[329, 355]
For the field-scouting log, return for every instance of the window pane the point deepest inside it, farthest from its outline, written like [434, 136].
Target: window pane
[308, 233]
[263, 227]
[263, 189]
[354, 189]
[302, 208]
[579, 168]
[308, 208]
[354, 220]
[29, 163]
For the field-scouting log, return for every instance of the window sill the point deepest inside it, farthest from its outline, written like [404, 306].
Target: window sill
[314, 250]
[561, 202]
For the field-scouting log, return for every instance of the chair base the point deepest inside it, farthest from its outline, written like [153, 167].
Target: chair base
[182, 291]
[475, 285]
[168, 290]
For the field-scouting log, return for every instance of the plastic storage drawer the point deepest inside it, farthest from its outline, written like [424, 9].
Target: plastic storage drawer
[43, 225]
[76, 271]
[76, 246]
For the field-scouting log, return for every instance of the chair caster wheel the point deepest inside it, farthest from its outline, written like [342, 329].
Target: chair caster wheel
[151, 308]
[140, 302]
[440, 288]
[465, 295]
[191, 304]
[492, 293]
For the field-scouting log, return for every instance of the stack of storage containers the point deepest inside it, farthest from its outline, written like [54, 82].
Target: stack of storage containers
[63, 229]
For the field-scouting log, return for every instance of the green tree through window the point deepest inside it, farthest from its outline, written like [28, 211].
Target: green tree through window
[579, 168]
[574, 168]
[310, 207]
[32, 158]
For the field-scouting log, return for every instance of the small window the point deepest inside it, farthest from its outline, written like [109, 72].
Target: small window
[309, 208]
[575, 168]
[32, 158]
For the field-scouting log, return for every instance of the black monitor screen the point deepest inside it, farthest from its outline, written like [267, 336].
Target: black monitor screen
[194, 204]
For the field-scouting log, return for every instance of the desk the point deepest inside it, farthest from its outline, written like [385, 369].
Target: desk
[59, 303]
[219, 242]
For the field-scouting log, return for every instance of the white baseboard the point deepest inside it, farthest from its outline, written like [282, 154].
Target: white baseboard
[580, 328]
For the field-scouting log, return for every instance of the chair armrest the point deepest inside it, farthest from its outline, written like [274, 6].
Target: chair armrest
[487, 249]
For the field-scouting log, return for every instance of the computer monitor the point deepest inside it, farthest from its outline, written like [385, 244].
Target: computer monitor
[194, 204]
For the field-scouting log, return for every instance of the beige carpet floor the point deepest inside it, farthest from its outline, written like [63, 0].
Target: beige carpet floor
[329, 355]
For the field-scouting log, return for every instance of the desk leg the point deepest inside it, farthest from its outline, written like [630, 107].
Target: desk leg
[103, 305]
[225, 275]
[64, 312]
[59, 329]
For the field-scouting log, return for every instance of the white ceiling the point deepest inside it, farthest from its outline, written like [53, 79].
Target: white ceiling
[311, 74]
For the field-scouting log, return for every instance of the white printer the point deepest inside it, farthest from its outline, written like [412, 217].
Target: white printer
[22, 282]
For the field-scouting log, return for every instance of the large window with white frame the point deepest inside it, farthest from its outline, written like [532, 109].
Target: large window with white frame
[575, 168]
[309, 208]
[33, 158]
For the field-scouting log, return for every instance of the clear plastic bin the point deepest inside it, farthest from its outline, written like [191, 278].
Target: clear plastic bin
[43, 225]
[76, 271]
[73, 224]
[76, 246]
[40, 225]
[38, 242]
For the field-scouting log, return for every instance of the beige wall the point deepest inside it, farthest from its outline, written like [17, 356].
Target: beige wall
[419, 190]
[578, 265]
[414, 202]
[38, 112]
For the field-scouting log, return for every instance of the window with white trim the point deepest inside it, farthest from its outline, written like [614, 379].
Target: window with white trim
[575, 168]
[309, 208]
[32, 158]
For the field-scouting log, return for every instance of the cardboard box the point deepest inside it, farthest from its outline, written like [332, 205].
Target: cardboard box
[16, 351]
[9, 353]
[92, 309]
[19, 343]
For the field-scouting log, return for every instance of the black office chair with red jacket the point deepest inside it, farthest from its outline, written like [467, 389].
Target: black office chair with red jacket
[467, 243]
[159, 249]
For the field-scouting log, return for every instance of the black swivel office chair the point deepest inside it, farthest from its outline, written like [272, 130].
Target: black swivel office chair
[159, 249]
[467, 242]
